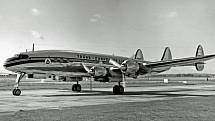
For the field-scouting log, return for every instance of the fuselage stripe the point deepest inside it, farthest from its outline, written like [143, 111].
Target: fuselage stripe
[53, 59]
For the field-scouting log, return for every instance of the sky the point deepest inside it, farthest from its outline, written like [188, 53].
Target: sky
[116, 27]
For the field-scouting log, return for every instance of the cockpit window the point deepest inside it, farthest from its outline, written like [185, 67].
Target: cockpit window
[17, 57]
[22, 56]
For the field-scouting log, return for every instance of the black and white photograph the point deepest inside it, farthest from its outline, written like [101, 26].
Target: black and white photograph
[107, 60]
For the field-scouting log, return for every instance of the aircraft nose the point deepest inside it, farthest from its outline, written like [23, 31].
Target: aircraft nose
[8, 61]
[5, 64]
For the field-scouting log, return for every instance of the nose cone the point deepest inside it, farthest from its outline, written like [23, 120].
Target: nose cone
[5, 65]
[8, 63]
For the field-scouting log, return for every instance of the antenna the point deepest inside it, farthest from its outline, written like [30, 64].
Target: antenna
[33, 48]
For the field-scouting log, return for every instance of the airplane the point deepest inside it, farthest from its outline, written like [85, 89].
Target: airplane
[101, 67]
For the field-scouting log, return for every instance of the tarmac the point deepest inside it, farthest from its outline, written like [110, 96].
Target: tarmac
[57, 99]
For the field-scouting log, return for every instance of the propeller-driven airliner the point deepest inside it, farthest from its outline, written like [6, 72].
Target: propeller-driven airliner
[101, 67]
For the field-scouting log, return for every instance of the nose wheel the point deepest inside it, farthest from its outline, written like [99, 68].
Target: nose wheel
[16, 91]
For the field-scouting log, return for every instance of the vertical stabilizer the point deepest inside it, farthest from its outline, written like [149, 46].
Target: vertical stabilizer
[167, 54]
[199, 51]
[138, 55]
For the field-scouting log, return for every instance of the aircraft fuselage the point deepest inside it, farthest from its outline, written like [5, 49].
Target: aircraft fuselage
[66, 63]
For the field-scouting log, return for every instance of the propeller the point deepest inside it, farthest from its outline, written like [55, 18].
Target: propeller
[122, 67]
[114, 63]
[97, 71]
[87, 69]
[128, 67]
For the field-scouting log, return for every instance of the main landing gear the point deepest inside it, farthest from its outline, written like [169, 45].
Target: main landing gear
[118, 89]
[16, 90]
[76, 87]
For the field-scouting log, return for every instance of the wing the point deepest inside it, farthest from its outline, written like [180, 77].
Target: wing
[180, 62]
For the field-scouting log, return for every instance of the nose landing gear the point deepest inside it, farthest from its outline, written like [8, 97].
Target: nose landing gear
[16, 91]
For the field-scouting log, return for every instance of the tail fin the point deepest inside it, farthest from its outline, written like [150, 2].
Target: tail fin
[138, 55]
[167, 54]
[199, 52]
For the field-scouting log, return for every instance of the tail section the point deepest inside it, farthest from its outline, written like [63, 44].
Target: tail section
[167, 54]
[199, 53]
[138, 55]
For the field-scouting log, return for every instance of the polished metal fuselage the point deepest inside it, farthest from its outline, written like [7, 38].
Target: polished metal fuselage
[64, 63]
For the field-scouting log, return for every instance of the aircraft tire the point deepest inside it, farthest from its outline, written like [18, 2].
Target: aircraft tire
[115, 88]
[74, 87]
[16, 92]
[118, 89]
[78, 88]
[121, 89]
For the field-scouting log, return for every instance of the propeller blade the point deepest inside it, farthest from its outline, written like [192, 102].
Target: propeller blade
[86, 68]
[111, 61]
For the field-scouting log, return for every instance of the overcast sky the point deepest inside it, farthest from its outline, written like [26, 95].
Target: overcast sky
[109, 26]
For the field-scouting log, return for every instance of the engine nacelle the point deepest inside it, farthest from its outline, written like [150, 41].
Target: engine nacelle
[99, 71]
[114, 75]
[130, 67]
[199, 66]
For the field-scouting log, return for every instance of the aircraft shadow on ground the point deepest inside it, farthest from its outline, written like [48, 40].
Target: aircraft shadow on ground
[165, 93]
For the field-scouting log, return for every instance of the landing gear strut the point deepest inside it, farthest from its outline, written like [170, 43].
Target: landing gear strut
[16, 90]
[76, 87]
[118, 89]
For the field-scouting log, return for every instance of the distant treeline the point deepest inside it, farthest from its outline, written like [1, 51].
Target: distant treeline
[184, 75]
[156, 75]
[8, 75]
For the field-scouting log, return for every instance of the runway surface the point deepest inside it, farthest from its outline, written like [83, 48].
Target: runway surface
[57, 99]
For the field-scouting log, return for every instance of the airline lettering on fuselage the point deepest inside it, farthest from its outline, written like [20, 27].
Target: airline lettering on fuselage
[80, 56]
